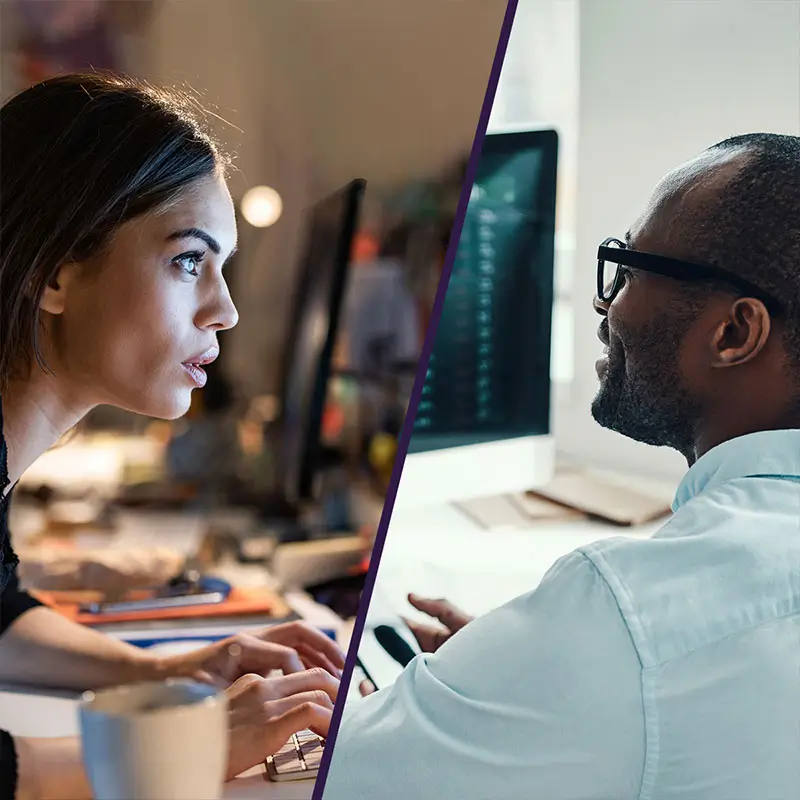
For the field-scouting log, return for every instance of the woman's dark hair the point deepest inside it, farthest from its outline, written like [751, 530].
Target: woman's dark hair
[81, 154]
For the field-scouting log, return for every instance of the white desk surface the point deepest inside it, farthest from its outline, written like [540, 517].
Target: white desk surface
[441, 552]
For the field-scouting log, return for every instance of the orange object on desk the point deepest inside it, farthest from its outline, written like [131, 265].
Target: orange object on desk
[242, 601]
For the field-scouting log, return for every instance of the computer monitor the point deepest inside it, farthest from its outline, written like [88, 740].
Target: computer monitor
[483, 423]
[311, 336]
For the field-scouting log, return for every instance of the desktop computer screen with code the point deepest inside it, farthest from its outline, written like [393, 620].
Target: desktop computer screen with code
[489, 374]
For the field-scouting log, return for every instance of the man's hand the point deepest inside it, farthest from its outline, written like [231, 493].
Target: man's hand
[431, 637]
[264, 712]
[291, 648]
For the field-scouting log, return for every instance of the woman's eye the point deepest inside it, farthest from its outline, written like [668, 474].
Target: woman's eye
[189, 262]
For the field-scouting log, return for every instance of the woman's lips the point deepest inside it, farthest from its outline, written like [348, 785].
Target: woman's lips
[197, 374]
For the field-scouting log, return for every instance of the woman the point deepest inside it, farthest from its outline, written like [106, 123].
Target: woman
[116, 223]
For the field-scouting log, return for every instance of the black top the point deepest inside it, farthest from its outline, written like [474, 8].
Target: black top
[13, 603]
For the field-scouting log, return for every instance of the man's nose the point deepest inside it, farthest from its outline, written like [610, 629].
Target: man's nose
[600, 306]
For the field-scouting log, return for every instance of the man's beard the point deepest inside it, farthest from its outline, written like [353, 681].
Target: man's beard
[648, 402]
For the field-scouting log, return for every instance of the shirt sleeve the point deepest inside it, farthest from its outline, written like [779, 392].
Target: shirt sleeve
[539, 699]
[14, 602]
[8, 767]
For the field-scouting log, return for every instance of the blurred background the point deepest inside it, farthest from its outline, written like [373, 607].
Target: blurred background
[262, 485]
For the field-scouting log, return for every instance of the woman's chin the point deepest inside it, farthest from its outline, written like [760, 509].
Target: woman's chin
[168, 407]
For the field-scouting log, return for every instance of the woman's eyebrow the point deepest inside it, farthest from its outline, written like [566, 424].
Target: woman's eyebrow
[196, 233]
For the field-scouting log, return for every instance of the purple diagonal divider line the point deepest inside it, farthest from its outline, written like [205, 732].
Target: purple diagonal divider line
[416, 392]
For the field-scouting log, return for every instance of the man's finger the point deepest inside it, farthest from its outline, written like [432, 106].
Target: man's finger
[307, 681]
[319, 698]
[366, 688]
[421, 629]
[429, 637]
[442, 610]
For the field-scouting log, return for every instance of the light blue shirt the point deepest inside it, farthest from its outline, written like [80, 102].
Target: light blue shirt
[657, 669]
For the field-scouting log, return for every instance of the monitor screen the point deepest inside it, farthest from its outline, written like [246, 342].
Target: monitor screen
[321, 282]
[489, 374]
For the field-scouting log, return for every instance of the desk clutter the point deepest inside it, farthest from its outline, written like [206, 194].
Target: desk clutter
[573, 494]
[241, 602]
[93, 571]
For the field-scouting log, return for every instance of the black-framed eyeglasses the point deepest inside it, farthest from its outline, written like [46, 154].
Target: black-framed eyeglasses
[614, 255]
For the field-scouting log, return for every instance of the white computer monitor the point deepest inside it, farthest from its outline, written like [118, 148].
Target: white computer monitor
[482, 427]
[480, 470]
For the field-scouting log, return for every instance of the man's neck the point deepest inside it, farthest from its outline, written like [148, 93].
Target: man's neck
[712, 436]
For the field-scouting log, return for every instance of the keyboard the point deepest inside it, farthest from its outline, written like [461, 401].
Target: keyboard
[298, 759]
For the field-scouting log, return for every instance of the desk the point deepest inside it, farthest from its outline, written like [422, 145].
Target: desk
[441, 552]
[48, 713]
[29, 712]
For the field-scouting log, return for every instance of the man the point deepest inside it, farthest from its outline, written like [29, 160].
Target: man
[665, 668]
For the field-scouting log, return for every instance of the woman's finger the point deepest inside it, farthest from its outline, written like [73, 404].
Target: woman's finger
[307, 715]
[243, 684]
[315, 658]
[307, 681]
[277, 707]
[300, 634]
[257, 656]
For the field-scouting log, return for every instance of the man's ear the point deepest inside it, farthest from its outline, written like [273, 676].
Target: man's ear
[742, 335]
[54, 297]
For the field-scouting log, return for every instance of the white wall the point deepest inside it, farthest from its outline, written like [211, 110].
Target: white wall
[660, 80]
[538, 88]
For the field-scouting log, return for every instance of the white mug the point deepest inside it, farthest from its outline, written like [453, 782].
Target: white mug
[155, 741]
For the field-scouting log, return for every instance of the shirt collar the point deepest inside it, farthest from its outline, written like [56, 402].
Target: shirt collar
[773, 454]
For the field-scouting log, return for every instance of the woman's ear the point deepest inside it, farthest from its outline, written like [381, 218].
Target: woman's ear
[54, 297]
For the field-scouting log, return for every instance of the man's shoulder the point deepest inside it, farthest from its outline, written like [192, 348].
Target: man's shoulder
[725, 562]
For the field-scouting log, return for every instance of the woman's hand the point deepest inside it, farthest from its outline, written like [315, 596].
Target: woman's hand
[264, 713]
[431, 637]
[290, 648]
